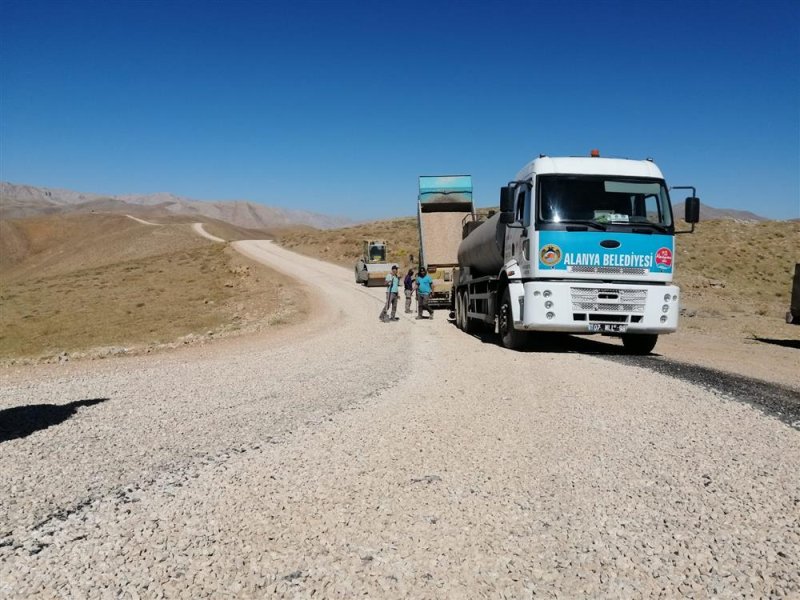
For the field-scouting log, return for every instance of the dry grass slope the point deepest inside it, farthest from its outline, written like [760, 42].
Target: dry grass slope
[78, 281]
[735, 275]
[739, 273]
[343, 246]
[74, 283]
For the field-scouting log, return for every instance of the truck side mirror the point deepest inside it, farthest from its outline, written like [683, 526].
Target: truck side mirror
[692, 210]
[506, 200]
[506, 218]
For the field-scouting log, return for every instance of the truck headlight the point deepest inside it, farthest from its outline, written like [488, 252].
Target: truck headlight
[547, 293]
[550, 315]
[663, 318]
[665, 308]
[548, 304]
[667, 297]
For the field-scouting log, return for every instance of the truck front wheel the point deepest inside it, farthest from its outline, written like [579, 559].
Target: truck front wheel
[510, 337]
[639, 344]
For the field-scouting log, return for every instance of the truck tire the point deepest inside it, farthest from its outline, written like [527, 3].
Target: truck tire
[460, 311]
[640, 344]
[469, 324]
[511, 338]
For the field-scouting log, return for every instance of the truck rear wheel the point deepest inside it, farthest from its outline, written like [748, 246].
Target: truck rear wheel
[461, 316]
[470, 325]
[510, 337]
[639, 344]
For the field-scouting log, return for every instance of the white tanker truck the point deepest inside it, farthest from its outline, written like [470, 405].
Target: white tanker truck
[581, 245]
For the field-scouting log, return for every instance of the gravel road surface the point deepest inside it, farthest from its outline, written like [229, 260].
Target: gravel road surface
[406, 459]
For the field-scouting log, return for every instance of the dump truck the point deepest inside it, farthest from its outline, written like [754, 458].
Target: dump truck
[581, 245]
[793, 315]
[371, 269]
[444, 201]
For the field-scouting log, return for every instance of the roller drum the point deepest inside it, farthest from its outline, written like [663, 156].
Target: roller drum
[482, 249]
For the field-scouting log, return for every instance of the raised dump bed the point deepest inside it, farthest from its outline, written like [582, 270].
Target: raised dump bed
[443, 203]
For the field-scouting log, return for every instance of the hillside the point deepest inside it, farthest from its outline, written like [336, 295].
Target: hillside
[343, 246]
[736, 271]
[709, 213]
[735, 275]
[18, 201]
[81, 283]
[140, 285]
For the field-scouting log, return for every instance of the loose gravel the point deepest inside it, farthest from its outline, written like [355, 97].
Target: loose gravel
[391, 460]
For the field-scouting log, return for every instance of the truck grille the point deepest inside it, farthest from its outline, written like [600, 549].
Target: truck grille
[603, 300]
[607, 270]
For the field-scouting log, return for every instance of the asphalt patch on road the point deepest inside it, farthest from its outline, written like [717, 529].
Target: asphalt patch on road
[770, 398]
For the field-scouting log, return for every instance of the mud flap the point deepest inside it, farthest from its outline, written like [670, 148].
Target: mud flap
[516, 291]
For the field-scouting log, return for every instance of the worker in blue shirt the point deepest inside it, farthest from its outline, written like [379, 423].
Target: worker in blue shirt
[424, 289]
[392, 288]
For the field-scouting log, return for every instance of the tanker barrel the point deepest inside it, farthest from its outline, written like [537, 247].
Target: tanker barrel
[469, 227]
[482, 249]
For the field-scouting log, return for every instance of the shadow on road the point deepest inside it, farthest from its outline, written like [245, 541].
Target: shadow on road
[558, 343]
[785, 343]
[21, 421]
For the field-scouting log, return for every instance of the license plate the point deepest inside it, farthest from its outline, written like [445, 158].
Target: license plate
[608, 327]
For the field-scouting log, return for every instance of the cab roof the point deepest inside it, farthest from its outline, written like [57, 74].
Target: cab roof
[584, 165]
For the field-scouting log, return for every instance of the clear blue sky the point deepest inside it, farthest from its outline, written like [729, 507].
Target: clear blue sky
[337, 107]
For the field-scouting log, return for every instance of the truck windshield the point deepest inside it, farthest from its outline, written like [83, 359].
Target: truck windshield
[604, 200]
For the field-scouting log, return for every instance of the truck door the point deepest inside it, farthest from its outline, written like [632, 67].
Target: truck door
[517, 243]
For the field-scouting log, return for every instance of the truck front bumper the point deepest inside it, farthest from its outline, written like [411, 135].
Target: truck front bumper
[592, 307]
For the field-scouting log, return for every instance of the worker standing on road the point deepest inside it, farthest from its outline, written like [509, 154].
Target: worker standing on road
[408, 285]
[392, 289]
[424, 288]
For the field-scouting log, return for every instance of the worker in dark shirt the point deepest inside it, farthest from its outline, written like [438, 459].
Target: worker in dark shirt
[408, 285]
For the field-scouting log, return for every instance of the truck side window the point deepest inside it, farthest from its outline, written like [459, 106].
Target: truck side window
[522, 200]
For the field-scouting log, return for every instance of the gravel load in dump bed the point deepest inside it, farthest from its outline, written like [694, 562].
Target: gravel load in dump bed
[387, 460]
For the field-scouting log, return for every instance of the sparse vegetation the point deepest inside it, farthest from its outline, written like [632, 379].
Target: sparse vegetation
[71, 284]
[741, 268]
[75, 282]
[343, 246]
[735, 275]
